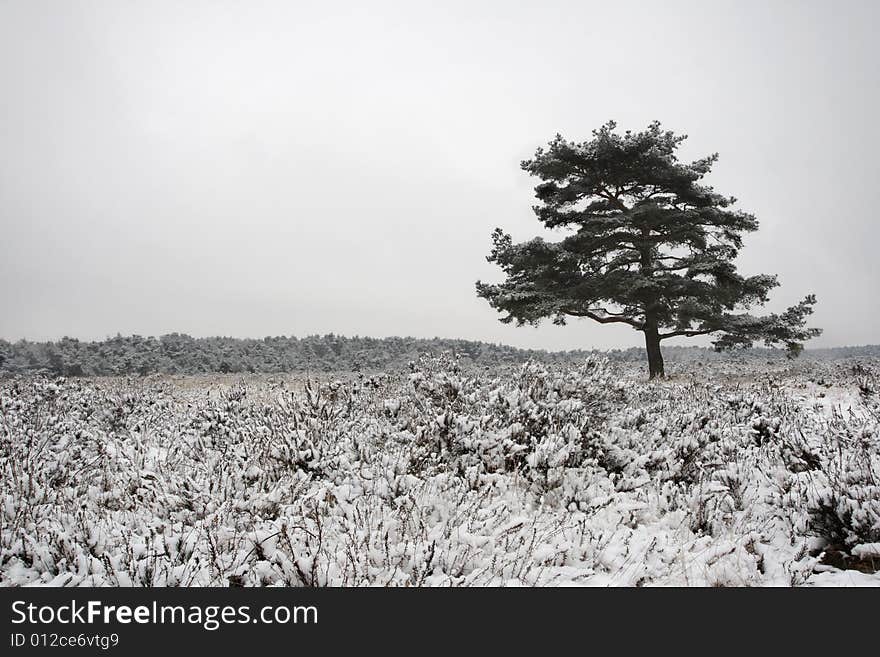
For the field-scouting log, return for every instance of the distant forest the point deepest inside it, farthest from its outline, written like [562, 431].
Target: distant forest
[182, 354]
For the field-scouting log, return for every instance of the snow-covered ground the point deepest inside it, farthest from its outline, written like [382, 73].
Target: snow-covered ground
[730, 474]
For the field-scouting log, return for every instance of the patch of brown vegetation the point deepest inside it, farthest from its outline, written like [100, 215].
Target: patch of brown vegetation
[836, 556]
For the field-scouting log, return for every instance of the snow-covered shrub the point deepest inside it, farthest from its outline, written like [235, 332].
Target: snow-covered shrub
[843, 501]
[442, 475]
[533, 421]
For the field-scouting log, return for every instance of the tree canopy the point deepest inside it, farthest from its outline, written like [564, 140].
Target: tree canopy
[649, 245]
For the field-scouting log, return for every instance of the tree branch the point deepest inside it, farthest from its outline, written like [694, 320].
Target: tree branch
[608, 319]
[688, 334]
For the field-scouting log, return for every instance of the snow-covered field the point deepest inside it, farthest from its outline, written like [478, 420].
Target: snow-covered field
[732, 475]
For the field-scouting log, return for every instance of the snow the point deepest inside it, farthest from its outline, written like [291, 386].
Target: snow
[534, 475]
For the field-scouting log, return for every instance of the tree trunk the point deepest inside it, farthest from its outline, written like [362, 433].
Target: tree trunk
[652, 333]
[655, 356]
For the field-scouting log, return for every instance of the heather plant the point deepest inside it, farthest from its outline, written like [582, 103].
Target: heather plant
[443, 473]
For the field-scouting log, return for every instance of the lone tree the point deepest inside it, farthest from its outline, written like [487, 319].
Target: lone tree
[651, 247]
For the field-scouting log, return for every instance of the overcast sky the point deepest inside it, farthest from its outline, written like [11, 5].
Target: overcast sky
[266, 168]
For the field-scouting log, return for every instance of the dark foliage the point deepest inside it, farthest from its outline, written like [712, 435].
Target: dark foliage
[649, 246]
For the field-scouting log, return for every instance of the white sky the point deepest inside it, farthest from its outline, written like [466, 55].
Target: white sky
[265, 168]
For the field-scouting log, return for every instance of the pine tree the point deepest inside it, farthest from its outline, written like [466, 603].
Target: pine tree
[650, 247]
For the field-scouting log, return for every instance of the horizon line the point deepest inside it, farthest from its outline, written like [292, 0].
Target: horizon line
[398, 337]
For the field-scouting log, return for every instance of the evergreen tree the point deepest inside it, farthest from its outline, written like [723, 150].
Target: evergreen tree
[651, 247]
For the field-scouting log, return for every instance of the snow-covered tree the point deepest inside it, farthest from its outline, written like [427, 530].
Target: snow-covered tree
[651, 248]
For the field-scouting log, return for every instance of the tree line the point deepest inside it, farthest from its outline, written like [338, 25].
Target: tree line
[182, 354]
[177, 353]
